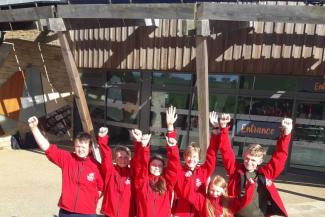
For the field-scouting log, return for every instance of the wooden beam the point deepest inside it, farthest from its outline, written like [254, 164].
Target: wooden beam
[258, 12]
[26, 14]
[76, 86]
[127, 11]
[202, 72]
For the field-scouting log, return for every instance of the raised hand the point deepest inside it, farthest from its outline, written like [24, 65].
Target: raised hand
[103, 131]
[171, 117]
[214, 119]
[224, 120]
[286, 126]
[171, 141]
[145, 139]
[32, 122]
[137, 134]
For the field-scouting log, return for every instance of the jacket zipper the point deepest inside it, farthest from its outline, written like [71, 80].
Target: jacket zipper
[77, 194]
[118, 197]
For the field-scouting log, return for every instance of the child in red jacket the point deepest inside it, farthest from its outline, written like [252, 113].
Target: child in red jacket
[181, 207]
[250, 182]
[153, 182]
[214, 202]
[118, 193]
[81, 179]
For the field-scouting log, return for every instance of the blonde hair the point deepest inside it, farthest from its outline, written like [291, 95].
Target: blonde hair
[219, 181]
[255, 150]
[192, 148]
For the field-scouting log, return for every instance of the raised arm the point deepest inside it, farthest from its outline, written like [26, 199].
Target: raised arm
[105, 150]
[211, 155]
[276, 165]
[142, 160]
[42, 142]
[228, 155]
[172, 168]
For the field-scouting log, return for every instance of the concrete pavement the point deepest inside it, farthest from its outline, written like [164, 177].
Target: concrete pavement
[30, 187]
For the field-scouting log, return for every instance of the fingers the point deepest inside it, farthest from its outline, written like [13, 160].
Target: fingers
[145, 139]
[287, 125]
[137, 134]
[33, 121]
[214, 118]
[103, 131]
[224, 120]
[171, 115]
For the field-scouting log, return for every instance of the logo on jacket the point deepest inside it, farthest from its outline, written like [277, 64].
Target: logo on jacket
[91, 177]
[188, 174]
[127, 181]
[268, 182]
[198, 182]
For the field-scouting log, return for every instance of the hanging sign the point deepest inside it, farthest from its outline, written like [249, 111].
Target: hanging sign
[258, 129]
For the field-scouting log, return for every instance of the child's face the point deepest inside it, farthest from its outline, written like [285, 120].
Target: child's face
[156, 167]
[122, 159]
[192, 159]
[251, 162]
[81, 148]
[216, 191]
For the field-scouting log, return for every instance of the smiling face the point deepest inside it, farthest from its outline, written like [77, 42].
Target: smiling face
[216, 191]
[156, 167]
[122, 158]
[252, 162]
[81, 148]
[192, 159]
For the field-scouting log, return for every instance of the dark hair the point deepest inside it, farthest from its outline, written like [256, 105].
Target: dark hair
[160, 185]
[84, 137]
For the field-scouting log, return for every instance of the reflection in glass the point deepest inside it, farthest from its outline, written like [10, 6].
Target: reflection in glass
[265, 107]
[166, 79]
[122, 105]
[223, 81]
[267, 83]
[123, 77]
[311, 110]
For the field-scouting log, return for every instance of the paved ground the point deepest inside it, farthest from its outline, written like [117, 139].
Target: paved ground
[30, 187]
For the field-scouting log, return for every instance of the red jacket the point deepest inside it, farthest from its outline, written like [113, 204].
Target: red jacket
[269, 172]
[118, 192]
[181, 207]
[199, 200]
[150, 203]
[81, 181]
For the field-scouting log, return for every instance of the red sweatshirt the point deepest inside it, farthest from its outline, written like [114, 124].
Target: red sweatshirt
[270, 172]
[181, 207]
[118, 193]
[81, 181]
[149, 202]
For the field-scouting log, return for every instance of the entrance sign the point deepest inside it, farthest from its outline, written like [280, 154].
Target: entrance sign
[258, 129]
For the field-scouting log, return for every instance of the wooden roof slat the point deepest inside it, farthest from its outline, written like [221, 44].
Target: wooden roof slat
[259, 12]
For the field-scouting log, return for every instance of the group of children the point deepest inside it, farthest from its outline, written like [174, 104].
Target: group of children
[148, 186]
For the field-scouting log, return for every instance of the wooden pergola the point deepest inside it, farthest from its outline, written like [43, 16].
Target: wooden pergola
[53, 18]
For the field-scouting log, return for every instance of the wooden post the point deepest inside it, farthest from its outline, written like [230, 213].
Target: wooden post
[76, 86]
[202, 72]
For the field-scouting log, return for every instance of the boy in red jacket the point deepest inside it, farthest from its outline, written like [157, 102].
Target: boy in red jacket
[250, 182]
[154, 183]
[81, 179]
[181, 207]
[118, 193]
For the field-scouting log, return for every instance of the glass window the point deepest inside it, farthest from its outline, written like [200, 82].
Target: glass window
[266, 107]
[123, 77]
[311, 85]
[122, 105]
[172, 79]
[95, 97]
[309, 133]
[219, 103]
[268, 83]
[223, 81]
[311, 110]
[95, 79]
